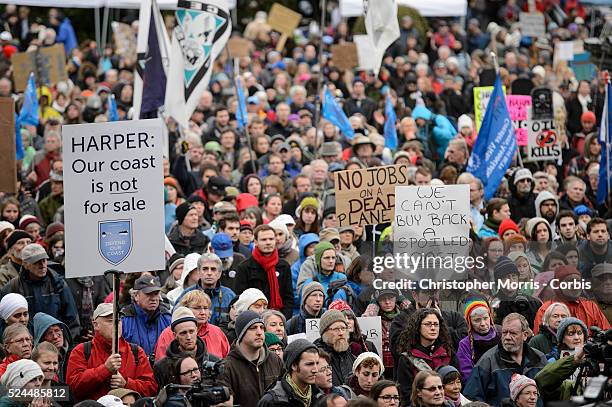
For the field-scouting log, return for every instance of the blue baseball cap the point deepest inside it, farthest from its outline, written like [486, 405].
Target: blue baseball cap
[222, 245]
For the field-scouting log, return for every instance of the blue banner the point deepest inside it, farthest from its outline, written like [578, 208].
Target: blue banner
[241, 113]
[495, 145]
[390, 129]
[334, 113]
[153, 77]
[113, 114]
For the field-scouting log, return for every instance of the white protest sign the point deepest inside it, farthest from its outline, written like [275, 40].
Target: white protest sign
[371, 327]
[564, 51]
[532, 24]
[365, 50]
[432, 226]
[543, 141]
[113, 197]
[295, 337]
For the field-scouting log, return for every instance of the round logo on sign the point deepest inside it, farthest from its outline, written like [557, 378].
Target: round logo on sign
[546, 138]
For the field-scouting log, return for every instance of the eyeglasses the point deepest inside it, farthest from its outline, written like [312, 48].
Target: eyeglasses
[191, 372]
[22, 340]
[388, 398]
[276, 349]
[338, 329]
[431, 324]
[433, 388]
[324, 369]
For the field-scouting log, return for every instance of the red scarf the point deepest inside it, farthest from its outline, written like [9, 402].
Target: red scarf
[269, 265]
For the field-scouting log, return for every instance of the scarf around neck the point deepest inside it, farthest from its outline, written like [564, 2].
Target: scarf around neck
[268, 263]
[304, 397]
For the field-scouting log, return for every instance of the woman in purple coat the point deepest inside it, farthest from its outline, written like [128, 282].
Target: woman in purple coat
[482, 336]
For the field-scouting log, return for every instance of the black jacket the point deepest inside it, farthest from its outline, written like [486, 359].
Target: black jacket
[163, 368]
[101, 286]
[341, 362]
[525, 305]
[364, 106]
[249, 274]
[282, 395]
[523, 207]
[196, 243]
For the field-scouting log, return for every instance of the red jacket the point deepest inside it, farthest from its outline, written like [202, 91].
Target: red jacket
[90, 379]
[585, 310]
[7, 361]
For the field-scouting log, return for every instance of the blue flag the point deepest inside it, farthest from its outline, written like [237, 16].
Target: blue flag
[153, 75]
[113, 114]
[29, 109]
[334, 113]
[19, 152]
[495, 145]
[605, 164]
[241, 113]
[390, 130]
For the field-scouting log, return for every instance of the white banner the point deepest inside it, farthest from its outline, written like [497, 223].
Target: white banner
[543, 142]
[371, 327]
[436, 8]
[113, 197]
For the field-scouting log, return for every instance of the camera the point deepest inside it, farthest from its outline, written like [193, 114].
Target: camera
[198, 394]
[598, 350]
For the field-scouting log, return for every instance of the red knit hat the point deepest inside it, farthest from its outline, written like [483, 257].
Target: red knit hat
[245, 200]
[566, 271]
[588, 116]
[507, 224]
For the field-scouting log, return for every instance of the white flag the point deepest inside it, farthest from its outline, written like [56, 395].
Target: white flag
[148, 9]
[382, 27]
[199, 37]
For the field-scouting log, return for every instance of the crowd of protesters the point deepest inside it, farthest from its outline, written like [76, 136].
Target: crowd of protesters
[258, 247]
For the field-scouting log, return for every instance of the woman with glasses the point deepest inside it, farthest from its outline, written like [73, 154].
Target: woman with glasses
[428, 391]
[385, 393]
[424, 344]
[214, 338]
[274, 344]
[17, 345]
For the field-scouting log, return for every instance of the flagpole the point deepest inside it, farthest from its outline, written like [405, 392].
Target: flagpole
[518, 148]
[236, 73]
[320, 78]
[607, 201]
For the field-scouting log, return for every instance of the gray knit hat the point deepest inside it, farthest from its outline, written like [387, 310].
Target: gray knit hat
[329, 318]
[311, 288]
[565, 323]
[294, 350]
[244, 321]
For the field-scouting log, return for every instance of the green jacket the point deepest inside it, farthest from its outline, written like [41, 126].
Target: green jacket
[553, 380]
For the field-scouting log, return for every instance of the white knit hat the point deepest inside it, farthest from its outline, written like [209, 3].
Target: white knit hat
[110, 401]
[182, 314]
[11, 303]
[20, 372]
[248, 297]
[367, 355]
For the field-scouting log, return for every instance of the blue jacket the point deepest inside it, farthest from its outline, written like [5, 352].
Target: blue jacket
[50, 295]
[67, 36]
[305, 240]
[489, 379]
[486, 231]
[443, 130]
[220, 297]
[144, 330]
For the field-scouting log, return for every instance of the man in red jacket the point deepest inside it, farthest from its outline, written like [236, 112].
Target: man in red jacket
[94, 376]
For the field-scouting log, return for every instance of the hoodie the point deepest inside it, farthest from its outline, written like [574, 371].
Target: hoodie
[41, 322]
[325, 280]
[190, 264]
[443, 130]
[304, 241]
[547, 196]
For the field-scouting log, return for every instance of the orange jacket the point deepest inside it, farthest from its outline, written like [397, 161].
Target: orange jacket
[585, 310]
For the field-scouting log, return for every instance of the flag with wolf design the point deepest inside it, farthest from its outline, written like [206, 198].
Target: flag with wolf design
[200, 35]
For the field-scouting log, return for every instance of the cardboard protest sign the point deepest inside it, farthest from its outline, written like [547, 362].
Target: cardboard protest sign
[432, 226]
[114, 197]
[371, 327]
[238, 47]
[48, 65]
[482, 95]
[8, 169]
[532, 24]
[367, 196]
[345, 56]
[365, 49]
[519, 107]
[544, 142]
[283, 19]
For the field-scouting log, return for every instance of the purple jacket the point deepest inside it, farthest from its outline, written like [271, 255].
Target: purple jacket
[464, 352]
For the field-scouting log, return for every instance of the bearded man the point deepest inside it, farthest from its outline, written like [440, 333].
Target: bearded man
[334, 340]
